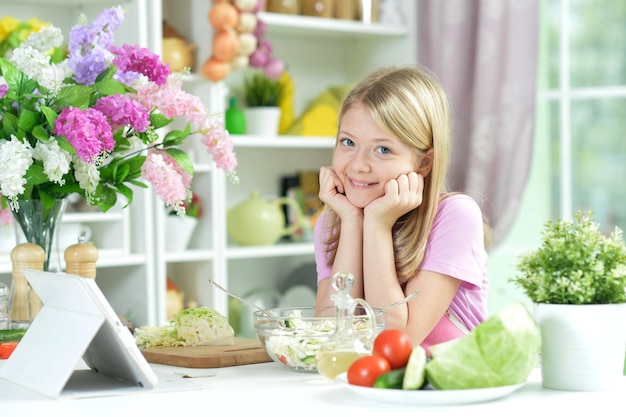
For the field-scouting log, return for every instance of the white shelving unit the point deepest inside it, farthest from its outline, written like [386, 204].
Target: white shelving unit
[319, 53]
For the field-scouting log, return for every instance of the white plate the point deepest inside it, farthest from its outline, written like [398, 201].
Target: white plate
[429, 396]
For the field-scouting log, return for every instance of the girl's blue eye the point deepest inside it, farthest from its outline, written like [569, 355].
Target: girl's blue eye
[346, 142]
[384, 150]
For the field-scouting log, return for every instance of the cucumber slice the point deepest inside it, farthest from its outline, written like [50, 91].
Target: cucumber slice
[414, 376]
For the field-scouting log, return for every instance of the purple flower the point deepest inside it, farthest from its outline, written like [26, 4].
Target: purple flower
[4, 90]
[89, 45]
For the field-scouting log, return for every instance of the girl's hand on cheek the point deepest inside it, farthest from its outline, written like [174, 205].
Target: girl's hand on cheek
[402, 195]
[332, 192]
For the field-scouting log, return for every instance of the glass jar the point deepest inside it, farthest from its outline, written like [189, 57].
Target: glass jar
[283, 6]
[318, 8]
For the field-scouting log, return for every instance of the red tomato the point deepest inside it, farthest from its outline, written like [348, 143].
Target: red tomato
[366, 369]
[6, 348]
[393, 345]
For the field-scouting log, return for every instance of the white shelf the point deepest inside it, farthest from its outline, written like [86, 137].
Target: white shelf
[295, 25]
[270, 251]
[311, 142]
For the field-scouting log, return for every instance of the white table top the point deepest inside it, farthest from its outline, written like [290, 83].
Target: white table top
[269, 389]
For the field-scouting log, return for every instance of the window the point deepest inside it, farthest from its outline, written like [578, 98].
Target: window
[579, 157]
[582, 99]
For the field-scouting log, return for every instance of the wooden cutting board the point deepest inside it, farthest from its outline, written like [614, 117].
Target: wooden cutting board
[244, 351]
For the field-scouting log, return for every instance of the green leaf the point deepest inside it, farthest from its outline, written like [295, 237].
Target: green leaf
[109, 87]
[35, 174]
[181, 158]
[9, 124]
[50, 115]
[27, 120]
[125, 191]
[176, 137]
[40, 133]
[158, 120]
[74, 95]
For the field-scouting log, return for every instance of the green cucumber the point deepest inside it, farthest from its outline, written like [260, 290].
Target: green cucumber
[11, 335]
[391, 380]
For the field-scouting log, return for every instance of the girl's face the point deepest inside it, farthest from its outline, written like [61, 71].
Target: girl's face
[366, 157]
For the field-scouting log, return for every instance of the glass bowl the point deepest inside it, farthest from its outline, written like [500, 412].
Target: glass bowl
[292, 336]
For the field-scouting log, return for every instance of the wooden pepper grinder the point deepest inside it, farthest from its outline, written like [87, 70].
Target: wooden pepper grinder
[80, 259]
[24, 303]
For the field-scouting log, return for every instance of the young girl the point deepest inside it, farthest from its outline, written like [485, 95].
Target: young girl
[388, 219]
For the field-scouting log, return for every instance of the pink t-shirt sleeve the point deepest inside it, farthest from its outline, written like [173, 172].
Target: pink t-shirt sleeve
[456, 248]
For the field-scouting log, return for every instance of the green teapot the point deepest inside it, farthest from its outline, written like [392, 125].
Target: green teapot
[257, 221]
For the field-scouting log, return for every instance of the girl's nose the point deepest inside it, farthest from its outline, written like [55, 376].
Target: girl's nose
[361, 162]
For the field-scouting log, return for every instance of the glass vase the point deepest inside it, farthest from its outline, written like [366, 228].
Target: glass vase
[38, 225]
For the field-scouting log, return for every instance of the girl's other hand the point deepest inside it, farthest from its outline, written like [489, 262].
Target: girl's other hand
[402, 195]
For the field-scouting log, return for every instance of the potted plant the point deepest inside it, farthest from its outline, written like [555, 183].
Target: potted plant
[261, 97]
[576, 279]
[179, 229]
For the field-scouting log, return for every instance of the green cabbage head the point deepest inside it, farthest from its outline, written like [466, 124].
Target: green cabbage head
[500, 351]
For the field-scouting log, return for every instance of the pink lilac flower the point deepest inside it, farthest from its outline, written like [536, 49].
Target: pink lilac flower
[136, 59]
[220, 146]
[4, 90]
[167, 181]
[86, 130]
[122, 110]
[171, 100]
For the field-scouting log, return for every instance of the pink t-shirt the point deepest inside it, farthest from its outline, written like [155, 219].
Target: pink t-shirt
[456, 248]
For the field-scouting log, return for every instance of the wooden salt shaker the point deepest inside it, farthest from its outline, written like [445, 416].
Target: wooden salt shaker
[80, 259]
[25, 303]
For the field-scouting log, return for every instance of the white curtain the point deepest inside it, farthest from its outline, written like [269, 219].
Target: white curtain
[484, 52]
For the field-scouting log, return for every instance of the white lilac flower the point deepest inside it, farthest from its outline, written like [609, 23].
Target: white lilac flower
[87, 175]
[44, 40]
[15, 159]
[56, 161]
[36, 65]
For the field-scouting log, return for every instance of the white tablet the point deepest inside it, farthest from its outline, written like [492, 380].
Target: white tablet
[76, 321]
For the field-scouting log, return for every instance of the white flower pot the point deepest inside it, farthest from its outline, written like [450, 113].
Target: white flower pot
[583, 346]
[178, 232]
[262, 120]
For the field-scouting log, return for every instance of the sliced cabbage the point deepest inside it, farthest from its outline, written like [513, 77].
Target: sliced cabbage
[191, 327]
[502, 350]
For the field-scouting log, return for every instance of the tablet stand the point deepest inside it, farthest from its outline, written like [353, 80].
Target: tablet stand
[48, 353]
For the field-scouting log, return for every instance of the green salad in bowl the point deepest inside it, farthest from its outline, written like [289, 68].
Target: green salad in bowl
[293, 336]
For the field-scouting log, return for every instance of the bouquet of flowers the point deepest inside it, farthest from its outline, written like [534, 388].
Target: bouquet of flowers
[91, 123]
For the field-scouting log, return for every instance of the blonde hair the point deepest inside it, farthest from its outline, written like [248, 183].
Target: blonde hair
[409, 104]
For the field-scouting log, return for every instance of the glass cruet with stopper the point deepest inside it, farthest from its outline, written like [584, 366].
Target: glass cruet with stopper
[346, 344]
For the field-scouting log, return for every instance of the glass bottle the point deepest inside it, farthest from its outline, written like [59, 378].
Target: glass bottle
[344, 345]
[235, 119]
